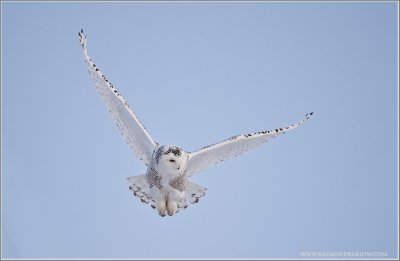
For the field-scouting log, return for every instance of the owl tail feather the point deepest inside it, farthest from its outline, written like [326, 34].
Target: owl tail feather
[194, 192]
[140, 188]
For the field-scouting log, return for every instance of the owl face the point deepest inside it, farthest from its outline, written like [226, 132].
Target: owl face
[171, 157]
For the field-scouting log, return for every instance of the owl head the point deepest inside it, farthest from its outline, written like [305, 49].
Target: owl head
[170, 157]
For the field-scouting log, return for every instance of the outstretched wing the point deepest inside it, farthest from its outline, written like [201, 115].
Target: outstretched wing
[133, 131]
[234, 146]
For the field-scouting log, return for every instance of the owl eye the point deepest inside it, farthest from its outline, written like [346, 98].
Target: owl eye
[172, 160]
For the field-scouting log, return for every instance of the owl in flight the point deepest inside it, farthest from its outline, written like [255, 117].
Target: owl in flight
[165, 185]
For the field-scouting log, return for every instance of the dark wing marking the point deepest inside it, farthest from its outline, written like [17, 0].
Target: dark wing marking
[234, 146]
[133, 131]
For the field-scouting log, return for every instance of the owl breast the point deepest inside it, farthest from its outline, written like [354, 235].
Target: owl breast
[167, 168]
[166, 178]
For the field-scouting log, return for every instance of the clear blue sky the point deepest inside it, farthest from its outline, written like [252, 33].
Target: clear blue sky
[195, 74]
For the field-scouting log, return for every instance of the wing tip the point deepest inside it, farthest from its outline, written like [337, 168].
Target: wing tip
[82, 38]
[80, 33]
[308, 115]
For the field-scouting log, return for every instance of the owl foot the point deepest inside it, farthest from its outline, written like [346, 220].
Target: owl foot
[161, 208]
[172, 207]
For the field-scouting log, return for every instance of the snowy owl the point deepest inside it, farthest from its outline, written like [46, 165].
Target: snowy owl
[165, 185]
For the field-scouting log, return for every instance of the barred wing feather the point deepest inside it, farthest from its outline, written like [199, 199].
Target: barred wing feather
[234, 146]
[133, 131]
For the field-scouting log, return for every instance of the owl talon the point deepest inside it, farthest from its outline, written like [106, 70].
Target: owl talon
[172, 207]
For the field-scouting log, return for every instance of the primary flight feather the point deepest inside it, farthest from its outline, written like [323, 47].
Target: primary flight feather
[165, 185]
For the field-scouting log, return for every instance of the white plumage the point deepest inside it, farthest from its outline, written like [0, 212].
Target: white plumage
[165, 185]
